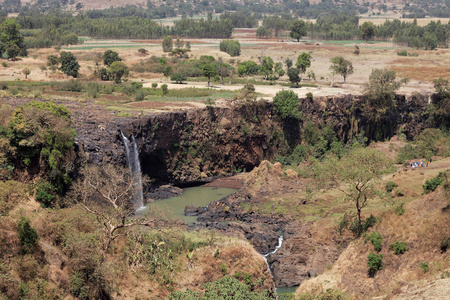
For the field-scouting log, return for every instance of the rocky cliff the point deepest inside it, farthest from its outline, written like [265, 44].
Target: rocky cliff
[189, 146]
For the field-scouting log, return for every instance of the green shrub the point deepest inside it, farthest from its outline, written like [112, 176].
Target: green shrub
[399, 193]
[78, 286]
[444, 244]
[224, 288]
[93, 89]
[398, 247]
[377, 240]
[390, 185]
[424, 266]
[432, 184]
[402, 53]
[164, 89]
[399, 210]
[374, 262]
[154, 85]
[44, 194]
[28, 236]
[406, 153]
[72, 85]
[4, 64]
[140, 95]
[223, 269]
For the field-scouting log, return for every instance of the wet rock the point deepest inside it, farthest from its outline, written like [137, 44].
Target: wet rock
[164, 192]
[193, 211]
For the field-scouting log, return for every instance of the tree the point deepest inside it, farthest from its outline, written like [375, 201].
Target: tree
[167, 44]
[439, 109]
[298, 29]
[107, 192]
[341, 66]
[209, 70]
[168, 71]
[109, 57]
[266, 67]
[118, 70]
[380, 104]
[224, 70]
[368, 31]
[285, 104]
[294, 76]
[288, 63]
[263, 32]
[26, 72]
[12, 51]
[356, 175]
[178, 77]
[279, 69]
[303, 62]
[53, 62]
[11, 38]
[69, 64]
[28, 236]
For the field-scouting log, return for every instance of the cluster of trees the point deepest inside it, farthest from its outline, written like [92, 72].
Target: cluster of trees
[232, 47]
[50, 36]
[37, 139]
[11, 40]
[125, 27]
[240, 19]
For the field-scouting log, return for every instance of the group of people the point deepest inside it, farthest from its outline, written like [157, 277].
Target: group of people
[416, 164]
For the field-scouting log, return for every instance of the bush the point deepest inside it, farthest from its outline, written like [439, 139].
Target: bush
[178, 77]
[154, 85]
[444, 244]
[424, 266]
[390, 185]
[398, 247]
[374, 262]
[402, 53]
[72, 85]
[406, 153]
[432, 184]
[399, 210]
[377, 241]
[399, 193]
[140, 95]
[44, 194]
[164, 89]
[28, 236]
[93, 89]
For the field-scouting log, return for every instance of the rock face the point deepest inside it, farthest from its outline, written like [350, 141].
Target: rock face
[191, 146]
[186, 146]
[301, 256]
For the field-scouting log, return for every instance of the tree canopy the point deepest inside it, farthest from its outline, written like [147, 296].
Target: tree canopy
[298, 29]
[69, 64]
[341, 66]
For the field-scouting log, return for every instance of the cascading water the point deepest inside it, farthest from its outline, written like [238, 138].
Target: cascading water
[132, 157]
[280, 242]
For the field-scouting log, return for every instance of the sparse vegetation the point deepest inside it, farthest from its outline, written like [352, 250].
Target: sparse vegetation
[398, 247]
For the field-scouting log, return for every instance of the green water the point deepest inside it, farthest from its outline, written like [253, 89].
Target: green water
[286, 292]
[197, 196]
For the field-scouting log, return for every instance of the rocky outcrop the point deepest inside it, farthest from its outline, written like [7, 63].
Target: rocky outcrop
[302, 255]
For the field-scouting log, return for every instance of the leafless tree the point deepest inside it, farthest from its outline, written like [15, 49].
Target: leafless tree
[107, 192]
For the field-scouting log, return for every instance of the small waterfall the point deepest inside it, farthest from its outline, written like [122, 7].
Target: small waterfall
[280, 242]
[132, 157]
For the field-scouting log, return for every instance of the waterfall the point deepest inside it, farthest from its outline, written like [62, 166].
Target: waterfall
[132, 157]
[280, 242]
